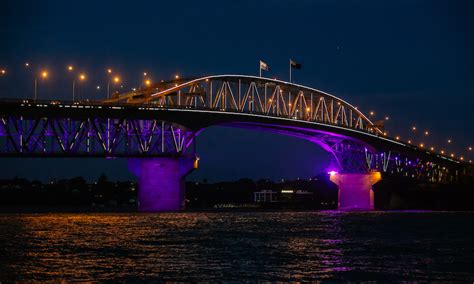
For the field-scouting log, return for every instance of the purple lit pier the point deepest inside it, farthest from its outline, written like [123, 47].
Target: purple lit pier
[161, 182]
[355, 190]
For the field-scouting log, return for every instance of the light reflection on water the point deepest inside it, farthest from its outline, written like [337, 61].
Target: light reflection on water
[238, 246]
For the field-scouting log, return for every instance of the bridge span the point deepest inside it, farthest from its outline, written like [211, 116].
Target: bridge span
[155, 128]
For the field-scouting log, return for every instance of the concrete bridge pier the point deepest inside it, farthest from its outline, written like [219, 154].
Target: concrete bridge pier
[355, 190]
[161, 186]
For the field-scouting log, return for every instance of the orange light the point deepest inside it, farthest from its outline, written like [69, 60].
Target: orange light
[409, 141]
[462, 158]
[148, 82]
[3, 71]
[307, 109]
[116, 79]
[44, 74]
[397, 138]
[427, 133]
[372, 113]
[144, 74]
[109, 71]
[414, 128]
[70, 68]
[176, 76]
[442, 151]
[432, 148]
[82, 77]
[421, 145]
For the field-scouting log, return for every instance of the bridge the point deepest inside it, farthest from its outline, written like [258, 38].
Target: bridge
[155, 128]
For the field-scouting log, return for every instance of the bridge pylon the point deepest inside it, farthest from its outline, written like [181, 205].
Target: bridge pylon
[355, 190]
[161, 185]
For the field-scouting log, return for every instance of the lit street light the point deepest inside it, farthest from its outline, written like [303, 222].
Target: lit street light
[116, 80]
[43, 75]
[82, 77]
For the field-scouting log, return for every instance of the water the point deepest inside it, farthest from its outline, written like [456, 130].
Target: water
[238, 246]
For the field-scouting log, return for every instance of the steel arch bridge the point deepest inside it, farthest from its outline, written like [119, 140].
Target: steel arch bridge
[164, 119]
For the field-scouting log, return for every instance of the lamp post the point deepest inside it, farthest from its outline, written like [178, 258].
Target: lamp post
[116, 80]
[109, 72]
[44, 75]
[82, 77]
[70, 68]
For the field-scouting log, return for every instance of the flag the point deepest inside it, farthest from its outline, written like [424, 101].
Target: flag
[294, 65]
[264, 66]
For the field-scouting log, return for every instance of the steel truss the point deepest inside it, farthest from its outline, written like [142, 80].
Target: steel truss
[103, 137]
[248, 94]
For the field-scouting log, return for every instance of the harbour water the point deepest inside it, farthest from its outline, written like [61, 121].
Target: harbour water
[236, 246]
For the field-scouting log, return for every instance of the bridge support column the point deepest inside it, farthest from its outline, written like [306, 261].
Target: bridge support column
[355, 190]
[161, 186]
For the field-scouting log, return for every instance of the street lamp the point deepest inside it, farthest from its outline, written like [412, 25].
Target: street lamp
[82, 77]
[70, 68]
[3, 72]
[43, 75]
[148, 82]
[116, 80]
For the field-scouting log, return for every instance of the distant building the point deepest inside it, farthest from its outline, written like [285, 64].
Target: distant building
[265, 196]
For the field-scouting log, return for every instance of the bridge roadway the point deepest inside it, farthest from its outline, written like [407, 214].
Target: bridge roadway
[155, 128]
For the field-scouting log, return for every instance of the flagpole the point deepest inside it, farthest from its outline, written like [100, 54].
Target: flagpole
[290, 70]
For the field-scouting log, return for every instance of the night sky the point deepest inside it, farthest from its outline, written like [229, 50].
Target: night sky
[410, 60]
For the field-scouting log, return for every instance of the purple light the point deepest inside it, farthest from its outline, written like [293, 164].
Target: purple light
[332, 172]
